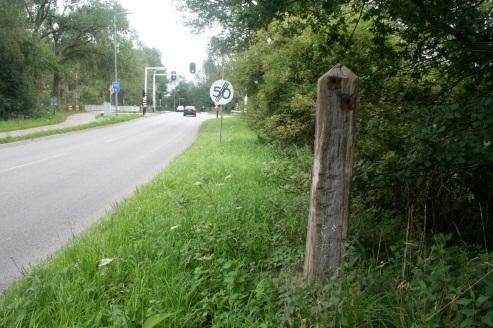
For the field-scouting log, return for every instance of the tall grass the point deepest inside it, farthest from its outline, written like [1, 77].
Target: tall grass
[217, 240]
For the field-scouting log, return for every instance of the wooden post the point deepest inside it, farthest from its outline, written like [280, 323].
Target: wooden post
[332, 170]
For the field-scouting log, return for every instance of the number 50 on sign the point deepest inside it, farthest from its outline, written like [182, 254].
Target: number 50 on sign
[221, 92]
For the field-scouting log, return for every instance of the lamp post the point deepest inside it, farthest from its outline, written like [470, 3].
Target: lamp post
[114, 42]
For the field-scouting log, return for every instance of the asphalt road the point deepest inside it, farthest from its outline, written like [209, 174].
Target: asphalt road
[55, 187]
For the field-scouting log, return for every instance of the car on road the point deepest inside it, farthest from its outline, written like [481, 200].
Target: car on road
[190, 110]
[180, 108]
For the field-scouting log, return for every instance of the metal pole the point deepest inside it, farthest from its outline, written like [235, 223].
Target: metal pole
[161, 68]
[221, 107]
[221, 131]
[116, 66]
[145, 82]
[76, 96]
[154, 91]
[154, 88]
[222, 67]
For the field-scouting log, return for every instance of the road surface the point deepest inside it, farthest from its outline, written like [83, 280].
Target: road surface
[55, 187]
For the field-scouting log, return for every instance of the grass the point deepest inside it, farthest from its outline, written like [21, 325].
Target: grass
[195, 243]
[48, 119]
[100, 121]
[217, 240]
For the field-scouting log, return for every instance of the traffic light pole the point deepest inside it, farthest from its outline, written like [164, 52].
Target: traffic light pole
[154, 88]
[159, 68]
[154, 92]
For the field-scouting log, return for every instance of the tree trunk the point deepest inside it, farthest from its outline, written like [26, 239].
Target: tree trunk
[55, 90]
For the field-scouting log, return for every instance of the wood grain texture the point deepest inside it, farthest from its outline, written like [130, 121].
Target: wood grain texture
[328, 216]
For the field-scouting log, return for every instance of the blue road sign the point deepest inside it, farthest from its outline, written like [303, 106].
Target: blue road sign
[116, 87]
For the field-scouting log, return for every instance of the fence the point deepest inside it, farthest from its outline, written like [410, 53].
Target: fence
[110, 109]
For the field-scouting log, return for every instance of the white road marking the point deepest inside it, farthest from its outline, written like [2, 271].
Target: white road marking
[113, 139]
[30, 163]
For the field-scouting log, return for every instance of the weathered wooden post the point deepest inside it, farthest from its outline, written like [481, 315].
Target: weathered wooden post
[332, 170]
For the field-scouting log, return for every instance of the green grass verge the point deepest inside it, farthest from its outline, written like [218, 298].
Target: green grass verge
[199, 242]
[217, 240]
[47, 119]
[100, 121]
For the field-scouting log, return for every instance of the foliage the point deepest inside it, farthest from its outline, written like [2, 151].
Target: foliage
[424, 121]
[432, 162]
[22, 58]
[240, 20]
[65, 49]
[452, 37]
[444, 287]
[189, 93]
[281, 105]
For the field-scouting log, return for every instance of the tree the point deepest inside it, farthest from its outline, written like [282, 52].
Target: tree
[82, 34]
[65, 49]
[240, 20]
[425, 71]
[24, 59]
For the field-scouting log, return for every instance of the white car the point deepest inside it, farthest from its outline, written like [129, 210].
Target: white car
[180, 108]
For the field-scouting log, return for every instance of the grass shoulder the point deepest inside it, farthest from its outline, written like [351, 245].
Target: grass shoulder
[47, 118]
[100, 121]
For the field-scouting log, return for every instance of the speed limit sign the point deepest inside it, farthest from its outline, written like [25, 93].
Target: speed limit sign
[221, 92]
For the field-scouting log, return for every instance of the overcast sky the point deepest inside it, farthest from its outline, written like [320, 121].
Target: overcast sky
[159, 25]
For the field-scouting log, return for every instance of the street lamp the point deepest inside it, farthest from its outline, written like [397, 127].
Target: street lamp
[114, 42]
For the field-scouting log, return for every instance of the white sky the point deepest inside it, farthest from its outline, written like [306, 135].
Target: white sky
[158, 25]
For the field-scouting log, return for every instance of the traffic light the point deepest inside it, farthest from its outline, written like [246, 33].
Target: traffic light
[173, 76]
[192, 68]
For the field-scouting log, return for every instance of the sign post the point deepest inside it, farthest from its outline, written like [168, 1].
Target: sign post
[116, 86]
[221, 93]
[116, 90]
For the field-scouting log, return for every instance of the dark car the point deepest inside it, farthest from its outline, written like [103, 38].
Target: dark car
[190, 110]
